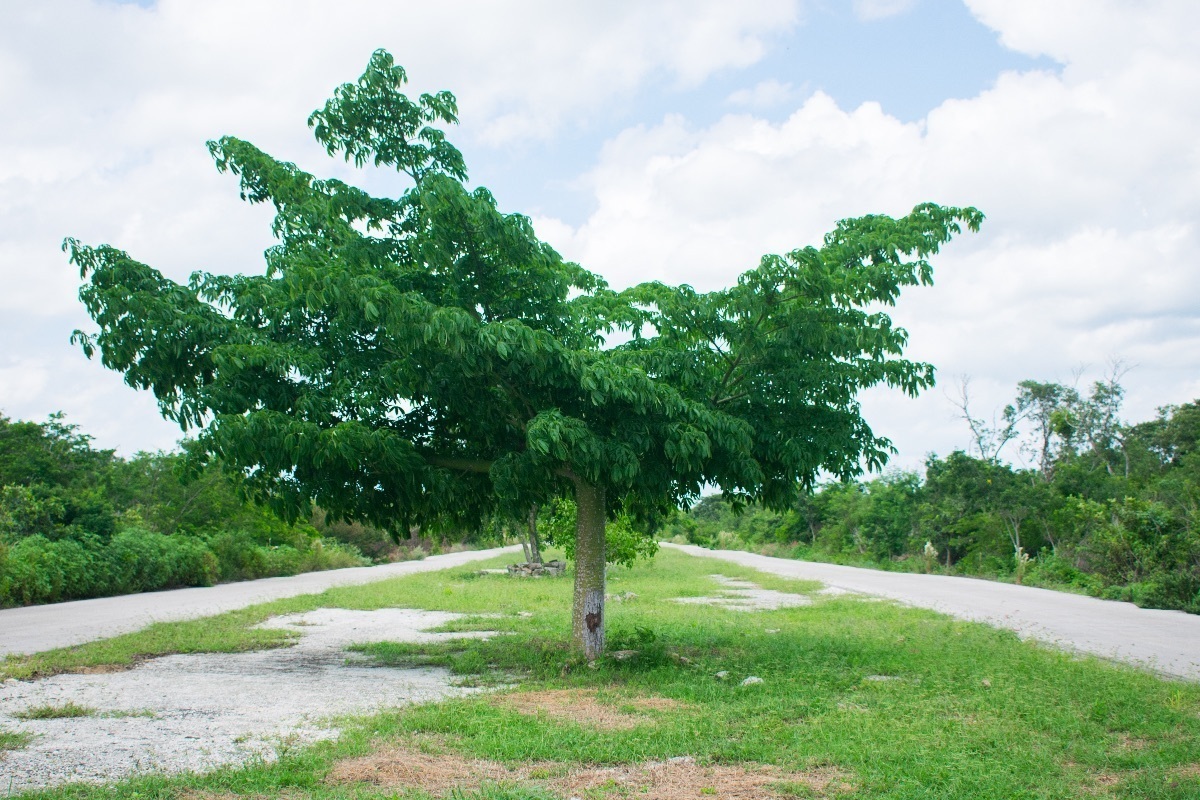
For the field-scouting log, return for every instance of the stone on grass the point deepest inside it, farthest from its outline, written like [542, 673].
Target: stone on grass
[532, 570]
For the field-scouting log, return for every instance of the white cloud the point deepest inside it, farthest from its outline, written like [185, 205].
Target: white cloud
[23, 379]
[871, 10]
[107, 107]
[1089, 175]
[763, 95]
[1088, 178]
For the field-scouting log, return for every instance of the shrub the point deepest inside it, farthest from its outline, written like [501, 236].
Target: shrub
[332, 554]
[141, 561]
[38, 570]
[240, 557]
[374, 543]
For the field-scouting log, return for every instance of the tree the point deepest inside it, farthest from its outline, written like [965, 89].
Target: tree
[1098, 418]
[1049, 406]
[422, 358]
[53, 482]
[987, 440]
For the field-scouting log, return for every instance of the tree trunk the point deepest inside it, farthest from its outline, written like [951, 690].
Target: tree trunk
[534, 550]
[587, 610]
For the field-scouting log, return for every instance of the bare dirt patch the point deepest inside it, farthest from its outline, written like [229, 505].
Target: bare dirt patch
[683, 779]
[676, 779]
[585, 708]
[1128, 742]
[105, 669]
[410, 768]
[1101, 784]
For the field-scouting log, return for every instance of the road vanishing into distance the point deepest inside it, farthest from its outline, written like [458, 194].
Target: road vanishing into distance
[32, 629]
[1167, 642]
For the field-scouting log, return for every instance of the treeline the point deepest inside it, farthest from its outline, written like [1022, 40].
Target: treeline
[1105, 508]
[78, 522]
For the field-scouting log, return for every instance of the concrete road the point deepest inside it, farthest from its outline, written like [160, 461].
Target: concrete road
[1167, 642]
[1164, 641]
[36, 628]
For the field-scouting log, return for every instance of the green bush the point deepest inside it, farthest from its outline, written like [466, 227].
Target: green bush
[1052, 571]
[41, 571]
[240, 557]
[38, 570]
[142, 561]
[374, 543]
[332, 554]
[624, 541]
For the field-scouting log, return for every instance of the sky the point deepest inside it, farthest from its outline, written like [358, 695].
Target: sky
[677, 140]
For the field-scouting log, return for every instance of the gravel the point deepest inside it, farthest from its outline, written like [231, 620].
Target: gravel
[198, 712]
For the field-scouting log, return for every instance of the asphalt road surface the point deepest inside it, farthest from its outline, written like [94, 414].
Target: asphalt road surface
[33, 629]
[1167, 642]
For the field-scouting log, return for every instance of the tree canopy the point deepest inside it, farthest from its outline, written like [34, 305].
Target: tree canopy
[425, 358]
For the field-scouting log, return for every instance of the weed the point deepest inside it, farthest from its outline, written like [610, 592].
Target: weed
[14, 740]
[68, 710]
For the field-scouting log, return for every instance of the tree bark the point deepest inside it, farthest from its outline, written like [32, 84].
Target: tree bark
[587, 610]
[534, 551]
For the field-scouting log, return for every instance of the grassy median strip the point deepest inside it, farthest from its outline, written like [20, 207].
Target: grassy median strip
[839, 698]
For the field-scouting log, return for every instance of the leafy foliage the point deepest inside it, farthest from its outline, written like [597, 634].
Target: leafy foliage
[77, 522]
[625, 542]
[426, 360]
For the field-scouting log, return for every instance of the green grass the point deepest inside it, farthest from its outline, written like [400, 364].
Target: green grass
[966, 712]
[13, 740]
[68, 710]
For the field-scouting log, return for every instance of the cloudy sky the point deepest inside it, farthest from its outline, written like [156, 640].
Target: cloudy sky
[675, 140]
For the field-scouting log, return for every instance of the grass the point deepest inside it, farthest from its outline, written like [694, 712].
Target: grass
[903, 703]
[66, 710]
[13, 740]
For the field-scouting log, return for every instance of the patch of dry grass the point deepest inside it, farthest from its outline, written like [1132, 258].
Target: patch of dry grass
[406, 767]
[684, 779]
[587, 708]
[410, 768]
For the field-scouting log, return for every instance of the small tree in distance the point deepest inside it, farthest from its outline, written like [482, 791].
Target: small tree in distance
[426, 358]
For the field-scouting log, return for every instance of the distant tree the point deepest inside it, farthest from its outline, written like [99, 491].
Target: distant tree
[412, 359]
[53, 453]
[1049, 407]
[988, 439]
[1169, 442]
[983, 506]
[891, 524]
[53, 482]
